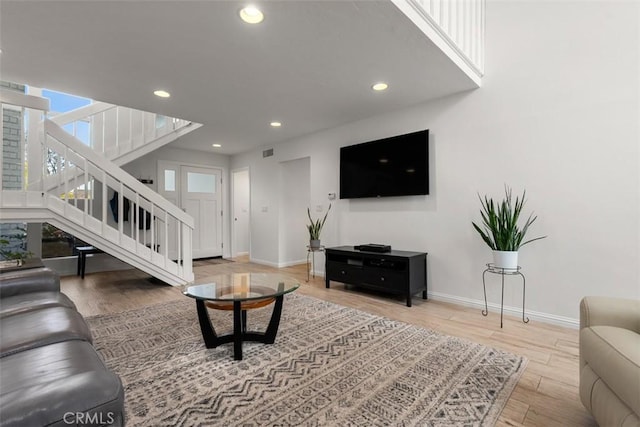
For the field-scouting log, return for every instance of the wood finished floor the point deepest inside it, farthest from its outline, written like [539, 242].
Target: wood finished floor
[547, 394]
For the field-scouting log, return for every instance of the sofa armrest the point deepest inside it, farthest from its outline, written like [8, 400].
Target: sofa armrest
[608, 311]
[29, 280]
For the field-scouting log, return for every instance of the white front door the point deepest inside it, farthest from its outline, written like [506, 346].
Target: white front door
[202, 199]
[197, 191]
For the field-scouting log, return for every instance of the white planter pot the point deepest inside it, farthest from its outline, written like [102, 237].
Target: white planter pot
[314, 244]
[505, 259]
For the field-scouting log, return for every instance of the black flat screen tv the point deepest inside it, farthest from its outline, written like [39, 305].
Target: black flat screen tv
[395, 166]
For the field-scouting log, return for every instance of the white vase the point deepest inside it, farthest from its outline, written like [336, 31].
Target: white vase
[505, 259]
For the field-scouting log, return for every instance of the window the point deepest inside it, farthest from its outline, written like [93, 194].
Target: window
[201, 183]
[161, 121]
[61, 103]
[169, 180]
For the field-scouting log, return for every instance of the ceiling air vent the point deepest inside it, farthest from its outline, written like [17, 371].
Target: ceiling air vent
[267, 153]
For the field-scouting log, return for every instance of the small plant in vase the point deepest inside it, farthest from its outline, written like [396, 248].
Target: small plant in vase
[315, 228]
[500, 229]
[10, 257]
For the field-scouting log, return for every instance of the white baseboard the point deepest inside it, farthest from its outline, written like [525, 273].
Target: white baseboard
[104, 262]
[263, 262]
[317, 273]
[291, 263]
[512, 311]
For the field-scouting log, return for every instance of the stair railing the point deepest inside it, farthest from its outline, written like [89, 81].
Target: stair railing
[120, 134]
[157, 236]
[114, 130]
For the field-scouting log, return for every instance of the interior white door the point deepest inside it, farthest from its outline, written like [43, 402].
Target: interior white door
[241, 201]
[201, 197]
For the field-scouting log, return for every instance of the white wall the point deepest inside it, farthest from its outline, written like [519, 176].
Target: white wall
[294, 201]
[264, 207]
[558, 115]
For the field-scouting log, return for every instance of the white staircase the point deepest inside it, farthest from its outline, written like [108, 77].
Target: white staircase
[78, 189]
[123, 134]
[120, 134]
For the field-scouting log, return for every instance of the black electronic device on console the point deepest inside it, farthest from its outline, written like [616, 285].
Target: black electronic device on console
[373, 247]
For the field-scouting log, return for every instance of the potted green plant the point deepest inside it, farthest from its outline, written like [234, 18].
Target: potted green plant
[500, 229]
[315, 227]
[9, 257]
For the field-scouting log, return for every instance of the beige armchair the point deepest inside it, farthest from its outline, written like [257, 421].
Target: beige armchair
[610, 360]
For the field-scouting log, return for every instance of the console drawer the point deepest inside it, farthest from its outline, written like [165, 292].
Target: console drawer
[386, 279]
[341, 272]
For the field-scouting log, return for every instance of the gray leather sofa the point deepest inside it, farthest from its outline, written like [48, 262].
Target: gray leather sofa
[610, 360]
[50, 374]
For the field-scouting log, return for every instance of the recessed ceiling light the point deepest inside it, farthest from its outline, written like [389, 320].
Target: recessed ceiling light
[275, 124]
[380, 86]
[216, 145]
[251, 15]
[162, 93]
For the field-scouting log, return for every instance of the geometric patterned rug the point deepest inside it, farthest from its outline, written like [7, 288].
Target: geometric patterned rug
[330, 366]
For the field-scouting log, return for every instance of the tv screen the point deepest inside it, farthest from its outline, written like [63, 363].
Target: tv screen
[396, 166]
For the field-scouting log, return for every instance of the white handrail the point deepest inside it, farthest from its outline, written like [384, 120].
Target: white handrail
[82, 113]
[22, 100]
[110, 168]
[143, 206]
[116, 131]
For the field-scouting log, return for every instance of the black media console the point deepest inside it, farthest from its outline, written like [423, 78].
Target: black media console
[398, 272]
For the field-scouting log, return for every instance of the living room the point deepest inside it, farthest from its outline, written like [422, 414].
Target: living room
[557, 115]
[560, 124]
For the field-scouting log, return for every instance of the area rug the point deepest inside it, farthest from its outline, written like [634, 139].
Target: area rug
[330, 366]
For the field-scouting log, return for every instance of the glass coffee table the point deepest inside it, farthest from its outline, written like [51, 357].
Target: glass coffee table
[240, 292]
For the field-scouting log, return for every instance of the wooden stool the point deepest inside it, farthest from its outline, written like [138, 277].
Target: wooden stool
[82, 257]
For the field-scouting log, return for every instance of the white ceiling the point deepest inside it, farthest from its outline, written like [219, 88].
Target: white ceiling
[310, 64]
